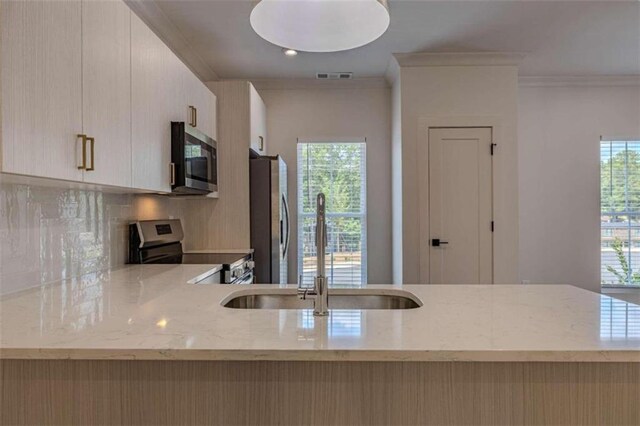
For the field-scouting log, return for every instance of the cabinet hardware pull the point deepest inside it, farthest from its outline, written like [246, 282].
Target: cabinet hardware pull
[172, 167]
[92, 140]
[84, 152]
[261, 143]
[195, 117]
[192, 115]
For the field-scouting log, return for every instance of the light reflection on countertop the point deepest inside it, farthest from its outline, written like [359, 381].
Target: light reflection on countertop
[344, 323]
[619, 320]
[151, 312]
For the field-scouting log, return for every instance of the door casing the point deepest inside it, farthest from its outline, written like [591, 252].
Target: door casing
[423, 181]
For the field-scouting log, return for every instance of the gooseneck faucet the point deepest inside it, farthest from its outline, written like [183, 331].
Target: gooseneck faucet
[319, 294]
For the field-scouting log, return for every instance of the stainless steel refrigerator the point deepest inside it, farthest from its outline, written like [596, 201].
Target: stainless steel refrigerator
[270, 220]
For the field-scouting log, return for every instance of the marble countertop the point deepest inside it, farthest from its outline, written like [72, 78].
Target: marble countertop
[152, 312]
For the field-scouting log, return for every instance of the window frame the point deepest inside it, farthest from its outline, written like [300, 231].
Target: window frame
[362, 214]
[632, 230]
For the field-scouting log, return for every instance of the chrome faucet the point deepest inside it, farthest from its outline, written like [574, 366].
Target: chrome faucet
[319, 294]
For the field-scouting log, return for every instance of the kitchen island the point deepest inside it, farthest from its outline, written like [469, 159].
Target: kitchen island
[144, 345]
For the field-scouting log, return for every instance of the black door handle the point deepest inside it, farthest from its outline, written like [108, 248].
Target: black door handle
[437, 242]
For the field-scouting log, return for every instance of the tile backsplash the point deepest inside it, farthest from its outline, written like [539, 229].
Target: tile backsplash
[48, 234]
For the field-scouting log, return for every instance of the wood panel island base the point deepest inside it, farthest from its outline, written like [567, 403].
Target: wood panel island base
[85, 392]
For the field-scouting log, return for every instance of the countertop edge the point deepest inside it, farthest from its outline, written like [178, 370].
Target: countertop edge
[215, 268]
[319, 355]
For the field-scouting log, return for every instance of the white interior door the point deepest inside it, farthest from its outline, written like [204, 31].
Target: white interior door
[460, 206]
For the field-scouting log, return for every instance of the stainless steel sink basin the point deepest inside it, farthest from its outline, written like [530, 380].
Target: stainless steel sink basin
[338, 299]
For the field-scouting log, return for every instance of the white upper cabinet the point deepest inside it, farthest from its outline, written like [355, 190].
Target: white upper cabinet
[41, 60]
[212, 108]
[154, 71]
[163, 90]
[106, 90]
[90, 74]
[200, 104]
[258, 117]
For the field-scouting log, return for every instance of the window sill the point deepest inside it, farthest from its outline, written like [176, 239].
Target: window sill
[628, 294]
[619, 288]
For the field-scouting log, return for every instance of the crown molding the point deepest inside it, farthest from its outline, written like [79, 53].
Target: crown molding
[161, 25]
[431, 59]
[312, 83]
[576, 81]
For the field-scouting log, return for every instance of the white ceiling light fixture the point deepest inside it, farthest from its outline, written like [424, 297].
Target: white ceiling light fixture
[320, 25]
[290, 52]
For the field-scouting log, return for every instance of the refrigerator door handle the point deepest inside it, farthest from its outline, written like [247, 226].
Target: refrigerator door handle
[287, 227]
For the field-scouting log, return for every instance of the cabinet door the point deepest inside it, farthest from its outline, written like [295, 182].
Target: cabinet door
[41, 88]
[106, 89]
[190, 97]
[196, 94]
[258, 117]
[155, 70]
[213, 114]
[199, 100]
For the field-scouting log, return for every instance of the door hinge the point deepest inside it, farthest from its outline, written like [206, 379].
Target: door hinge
[493, 146]
[493, 227]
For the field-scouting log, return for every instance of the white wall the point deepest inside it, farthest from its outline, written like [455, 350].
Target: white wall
[469, 96]
[338, 113]
[559, 135]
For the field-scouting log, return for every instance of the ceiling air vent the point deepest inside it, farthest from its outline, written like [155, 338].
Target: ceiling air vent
[334, 75]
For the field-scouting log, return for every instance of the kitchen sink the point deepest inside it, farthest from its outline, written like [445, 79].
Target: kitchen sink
[338, 299]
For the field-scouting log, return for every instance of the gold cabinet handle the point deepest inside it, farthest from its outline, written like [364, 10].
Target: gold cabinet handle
[93, 160]
[172, 167]
[84, 152]
[192, 116]
[261, 143]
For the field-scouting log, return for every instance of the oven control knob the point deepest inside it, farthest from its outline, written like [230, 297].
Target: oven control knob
[251, 264]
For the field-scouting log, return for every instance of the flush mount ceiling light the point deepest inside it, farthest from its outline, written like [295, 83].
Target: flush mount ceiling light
[289, 52]
[320, 25]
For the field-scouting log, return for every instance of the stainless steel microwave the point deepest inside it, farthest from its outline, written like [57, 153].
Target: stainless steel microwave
[194, 161]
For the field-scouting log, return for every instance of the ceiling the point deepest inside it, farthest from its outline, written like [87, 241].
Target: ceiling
[560, 38]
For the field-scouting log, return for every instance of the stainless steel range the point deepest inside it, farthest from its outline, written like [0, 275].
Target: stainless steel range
[160, 241]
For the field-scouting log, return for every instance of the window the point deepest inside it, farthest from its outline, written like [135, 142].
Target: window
[339, 171]
[620, 213]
